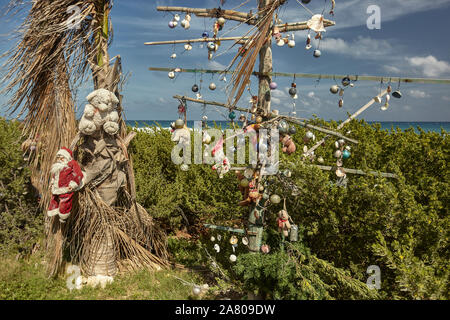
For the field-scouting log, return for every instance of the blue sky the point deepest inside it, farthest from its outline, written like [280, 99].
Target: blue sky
[413, 42]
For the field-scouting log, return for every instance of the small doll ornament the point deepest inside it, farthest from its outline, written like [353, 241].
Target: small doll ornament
[66, 177]
[288, 145]
[222, 164]
[283, 221]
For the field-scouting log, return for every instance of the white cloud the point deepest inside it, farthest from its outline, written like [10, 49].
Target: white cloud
[446, 98]
[361, 47]
[418, 94]
[430, 66]
[392, 69]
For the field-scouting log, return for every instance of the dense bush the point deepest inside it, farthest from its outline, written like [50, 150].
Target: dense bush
[20, 221]
[401, 224]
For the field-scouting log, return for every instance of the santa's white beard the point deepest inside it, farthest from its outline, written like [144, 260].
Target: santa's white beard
[58, 166]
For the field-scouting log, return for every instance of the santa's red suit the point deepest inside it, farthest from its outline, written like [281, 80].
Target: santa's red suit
[66, 178]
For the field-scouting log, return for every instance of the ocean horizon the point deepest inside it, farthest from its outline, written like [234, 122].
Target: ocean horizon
[428, 126]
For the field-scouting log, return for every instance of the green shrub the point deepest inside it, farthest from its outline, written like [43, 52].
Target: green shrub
[20, 221]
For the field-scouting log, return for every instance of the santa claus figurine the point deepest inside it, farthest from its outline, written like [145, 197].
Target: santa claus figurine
[66, 177]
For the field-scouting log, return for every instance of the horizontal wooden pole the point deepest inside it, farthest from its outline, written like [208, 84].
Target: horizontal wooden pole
[213, 13]
[385, 79]
[197, 40]
[298, 26]
[214, 103]
[323, 130]
[357, 171]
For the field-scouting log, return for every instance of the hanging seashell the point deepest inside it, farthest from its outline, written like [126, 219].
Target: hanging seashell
[341, 142]
[173, 56]
[334, 89]
[211, 46]
[217, 248]
[176, 17]
[188, 47]
[179, 123]
[171, 74]
[187, 17]
[377, 99]
[198, 95]
[309, 135]
[233, 258]
[316, 23]
[185, 24]
[175, 23]
[341, 103]
[244, 241]
[320, 160]
[338, 153]
[385, 106]
[397, 94]
[196, 290]
[341, 92]
[213, 239]
[212, 86]
[317, 53]
[280, 43]
[291, 43]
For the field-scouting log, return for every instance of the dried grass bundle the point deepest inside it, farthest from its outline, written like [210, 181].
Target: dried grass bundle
[257, 40]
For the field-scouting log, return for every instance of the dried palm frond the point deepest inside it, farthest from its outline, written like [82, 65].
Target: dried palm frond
[257, 40]
[54, 53]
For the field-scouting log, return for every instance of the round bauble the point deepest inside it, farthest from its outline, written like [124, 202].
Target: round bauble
[317, 53]
[334, 89]
[196, 290]
[273, 85]
[292, 92]
[275, 199]
[211, 46]
[171, 75]
[171, 24]
[232, 115]
[346, 154]
[212, 86]
[309, 135]
[221, 21]
[184, 167]
[244, 183]
[205, 34]
[195, 88]
[292, 130]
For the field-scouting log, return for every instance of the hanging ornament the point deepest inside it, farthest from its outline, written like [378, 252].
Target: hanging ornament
[217, 248]
[283, 127]
[221, 21]
[211, 46]
[397, 94]
[187, 17]
[316, 23]
[265, 248]
[341, 103]
[377, 99]
[233, 258]
[219, 237]
[346, 154]
[233, 240]
[317, 53]
[341, 92]
[232, 115]
[171, 74]
[309, 135]
[184, 167]
[172, 24]
[345, 81]
[334, 89]
[196, 290]
[244, 183]
[212, 86]
[275, 199]
[308, 42]
[213, 239]
[293, 90]
[205, 34]
[173, 56]
[245, 241]
[181, 108]
[195, 88]
[320, 160]
[337, 153]
[386, 104]
[188, 47]
[176, 17]
[185, 24]
[248, 173]
[291, 43]
[292, 130]
[273, 85]
[280, 42]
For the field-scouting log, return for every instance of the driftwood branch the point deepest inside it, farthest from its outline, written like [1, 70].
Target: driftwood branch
[357, 171]
[357, 113]
[213, 13]
[238, 39]
[317, 76]
[214, 103]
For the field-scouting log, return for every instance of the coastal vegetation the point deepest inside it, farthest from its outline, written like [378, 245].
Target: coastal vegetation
[401, 225]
